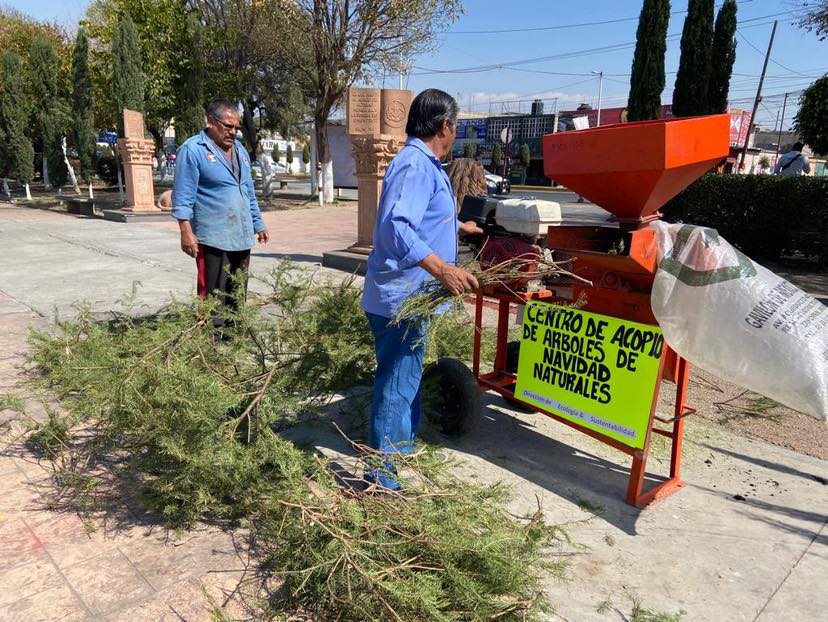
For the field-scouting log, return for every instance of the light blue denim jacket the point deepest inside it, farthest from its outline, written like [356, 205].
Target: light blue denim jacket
[416, 217]
[223, 211]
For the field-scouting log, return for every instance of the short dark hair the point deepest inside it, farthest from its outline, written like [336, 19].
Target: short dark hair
[428, 112]
[219, 106]
[797, 146]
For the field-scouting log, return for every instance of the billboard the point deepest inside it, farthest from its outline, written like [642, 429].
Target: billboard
[739, 124]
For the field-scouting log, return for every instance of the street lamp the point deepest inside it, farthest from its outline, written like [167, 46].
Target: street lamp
[600, 75]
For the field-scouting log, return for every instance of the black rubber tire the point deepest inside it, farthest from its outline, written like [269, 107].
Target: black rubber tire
[451, 397]
[512, 355]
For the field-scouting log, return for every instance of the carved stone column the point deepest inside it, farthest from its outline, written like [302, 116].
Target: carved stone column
[372, 154]
[376, 127]
[136, 154]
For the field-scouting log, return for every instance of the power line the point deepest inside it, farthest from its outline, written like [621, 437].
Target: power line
[561, 56]
[579, 25]
[746, 40]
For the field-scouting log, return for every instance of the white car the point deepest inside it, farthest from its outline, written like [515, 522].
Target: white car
[495, 184]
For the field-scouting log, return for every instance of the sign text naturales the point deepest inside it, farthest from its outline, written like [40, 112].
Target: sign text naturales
[595, 370]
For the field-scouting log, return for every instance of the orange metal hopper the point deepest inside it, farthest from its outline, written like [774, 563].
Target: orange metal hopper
[632, 169]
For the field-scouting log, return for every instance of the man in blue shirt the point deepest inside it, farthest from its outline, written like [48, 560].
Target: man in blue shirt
[214, 201]
[415, 239]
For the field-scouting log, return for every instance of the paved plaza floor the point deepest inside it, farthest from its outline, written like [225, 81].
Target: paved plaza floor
[746, 539]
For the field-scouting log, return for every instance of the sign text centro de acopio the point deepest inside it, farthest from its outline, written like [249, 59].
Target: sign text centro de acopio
[595, 370]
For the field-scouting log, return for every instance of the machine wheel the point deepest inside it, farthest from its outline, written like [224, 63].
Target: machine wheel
[512, 355]
[451, 398]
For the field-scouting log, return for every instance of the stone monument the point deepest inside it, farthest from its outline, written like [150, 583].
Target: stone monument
[376, 127]
[136, 154]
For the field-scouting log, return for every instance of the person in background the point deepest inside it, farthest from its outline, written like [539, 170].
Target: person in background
[794, 162]
[214, 201]
[415, 239]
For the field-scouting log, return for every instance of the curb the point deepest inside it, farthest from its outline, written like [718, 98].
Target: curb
[541, 188]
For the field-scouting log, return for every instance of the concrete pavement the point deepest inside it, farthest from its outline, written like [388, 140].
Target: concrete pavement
[746, 539]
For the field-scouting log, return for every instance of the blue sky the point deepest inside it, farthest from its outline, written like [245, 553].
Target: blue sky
[798, 57]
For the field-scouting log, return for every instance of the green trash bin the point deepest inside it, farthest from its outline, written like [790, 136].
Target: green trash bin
[517, 177]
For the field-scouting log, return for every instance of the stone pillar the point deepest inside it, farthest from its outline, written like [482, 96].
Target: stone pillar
[376, 126]
[136, 154]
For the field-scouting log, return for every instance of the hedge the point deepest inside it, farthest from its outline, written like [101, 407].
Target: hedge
[765, 216]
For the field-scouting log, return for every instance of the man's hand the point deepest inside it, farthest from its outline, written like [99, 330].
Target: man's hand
[470, 228]
[263, 237]
[189, 242]
[455, 279]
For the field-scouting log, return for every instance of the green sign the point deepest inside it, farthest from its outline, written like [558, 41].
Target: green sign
[595, 370]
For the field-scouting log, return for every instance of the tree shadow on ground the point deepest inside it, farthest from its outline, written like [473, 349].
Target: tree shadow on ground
[773, 466]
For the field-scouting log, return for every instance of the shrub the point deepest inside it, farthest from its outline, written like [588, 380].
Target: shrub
[765, 216]
[107, 169]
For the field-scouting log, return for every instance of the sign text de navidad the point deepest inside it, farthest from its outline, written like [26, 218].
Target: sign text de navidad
[574, 356]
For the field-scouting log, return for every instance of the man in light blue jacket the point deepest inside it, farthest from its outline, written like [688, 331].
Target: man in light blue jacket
[415, 239]
[214, 201]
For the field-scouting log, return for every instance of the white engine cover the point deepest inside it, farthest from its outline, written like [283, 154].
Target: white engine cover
[527, 216]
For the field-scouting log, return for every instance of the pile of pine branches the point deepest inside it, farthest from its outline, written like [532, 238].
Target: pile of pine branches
[160, 409]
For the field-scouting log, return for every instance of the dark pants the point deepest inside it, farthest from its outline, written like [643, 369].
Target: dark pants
[217, 276]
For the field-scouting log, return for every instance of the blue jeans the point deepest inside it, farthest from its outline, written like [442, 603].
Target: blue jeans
[395, 408]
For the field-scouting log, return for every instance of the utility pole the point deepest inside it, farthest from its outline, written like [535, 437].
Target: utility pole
[600, 75]
[779, 135]
[758, 98]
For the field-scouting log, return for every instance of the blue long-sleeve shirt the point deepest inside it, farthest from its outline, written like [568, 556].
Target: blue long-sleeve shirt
[416, 217]
[221, 205]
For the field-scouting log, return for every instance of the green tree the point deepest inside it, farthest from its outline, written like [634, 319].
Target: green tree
[161, 28]
[690, 93]
[253, 49]
[468, 150]
[83, 130]
[189, 89]
[525, 156]
[275, 153]
[647, 78]
[724, 55]
[51, 111]
[357, 40]
[306, 156]
[289, 155]
[497, 156]
[816, 17]
[811, 122]
[127, 74]
[14, 116]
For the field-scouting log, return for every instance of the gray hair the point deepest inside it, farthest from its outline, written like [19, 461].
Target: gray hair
[219, 106]
[428, 112]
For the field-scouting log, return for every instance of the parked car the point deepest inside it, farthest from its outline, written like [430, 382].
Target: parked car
[256, 170]
[495, 184]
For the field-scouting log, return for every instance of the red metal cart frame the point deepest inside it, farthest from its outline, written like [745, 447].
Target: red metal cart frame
[672, 367]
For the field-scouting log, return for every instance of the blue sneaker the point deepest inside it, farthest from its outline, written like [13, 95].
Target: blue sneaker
[384, 477]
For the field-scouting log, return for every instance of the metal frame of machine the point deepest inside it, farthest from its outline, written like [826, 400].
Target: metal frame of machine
[630, 170]
[672, 367]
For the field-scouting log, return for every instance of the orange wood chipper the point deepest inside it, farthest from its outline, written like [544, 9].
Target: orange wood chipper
[630, 170]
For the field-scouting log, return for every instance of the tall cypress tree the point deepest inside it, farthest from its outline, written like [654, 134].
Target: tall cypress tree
[189, 118]
[82, 120]
[690, 94]
[127, 75]
[647, 80]
[14, 116]
[724, 55]
[51, 111]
